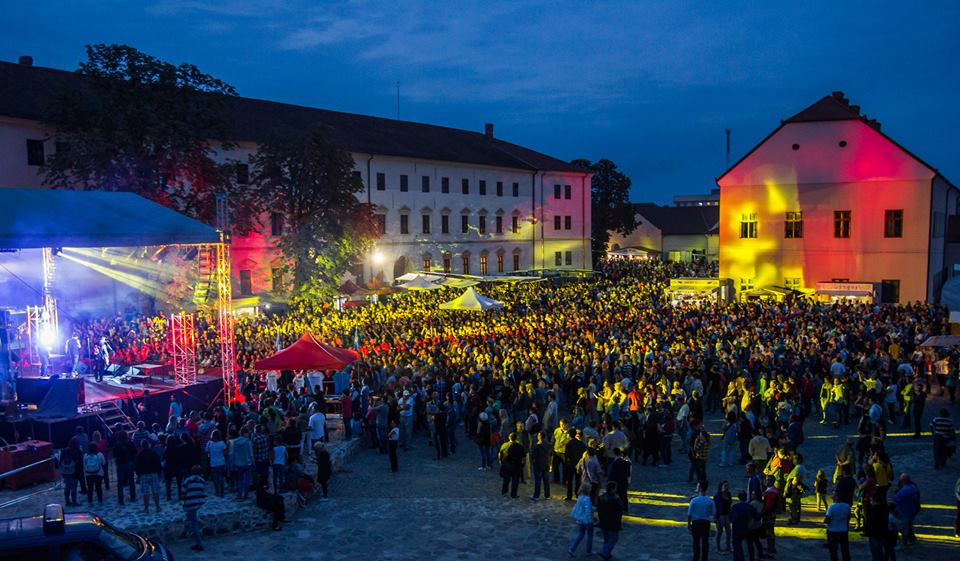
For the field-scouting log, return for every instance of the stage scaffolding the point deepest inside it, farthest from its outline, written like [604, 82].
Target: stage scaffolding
[183, 339]
[225, 302]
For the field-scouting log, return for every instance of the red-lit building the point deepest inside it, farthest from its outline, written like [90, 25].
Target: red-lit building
[829, 198]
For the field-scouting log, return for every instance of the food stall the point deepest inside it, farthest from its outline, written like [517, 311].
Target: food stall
[850, 292]
[690, 290]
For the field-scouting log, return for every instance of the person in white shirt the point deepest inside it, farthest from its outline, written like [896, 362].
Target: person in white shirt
[271, 378]
[279, 466]
[318, 427]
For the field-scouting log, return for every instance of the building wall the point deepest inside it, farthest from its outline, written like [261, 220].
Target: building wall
[535, 245]
[644, 236]
[688, 245]
[867, 176]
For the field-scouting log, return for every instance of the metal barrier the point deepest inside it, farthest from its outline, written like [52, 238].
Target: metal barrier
[20, 499]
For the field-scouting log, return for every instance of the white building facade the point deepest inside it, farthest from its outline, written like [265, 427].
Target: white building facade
[448, 200]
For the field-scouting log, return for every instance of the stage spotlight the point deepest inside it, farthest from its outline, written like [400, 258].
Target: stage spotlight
[47, 337]
[56, 250]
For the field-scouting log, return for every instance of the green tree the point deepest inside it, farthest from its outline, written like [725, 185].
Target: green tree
[139, 124]
[310, 181]
[611, 210]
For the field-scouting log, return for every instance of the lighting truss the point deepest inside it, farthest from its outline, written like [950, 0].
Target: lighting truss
[183, 339]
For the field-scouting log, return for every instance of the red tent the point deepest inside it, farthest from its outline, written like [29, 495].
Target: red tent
[306, 353]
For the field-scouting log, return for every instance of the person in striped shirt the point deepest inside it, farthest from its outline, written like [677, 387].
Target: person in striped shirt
[194, 496]
[943, 434]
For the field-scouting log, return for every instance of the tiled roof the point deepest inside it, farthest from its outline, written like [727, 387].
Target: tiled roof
[834, 107]
[681, 220]
[26, 90]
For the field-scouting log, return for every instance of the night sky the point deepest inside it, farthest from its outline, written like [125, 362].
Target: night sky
[649, 85]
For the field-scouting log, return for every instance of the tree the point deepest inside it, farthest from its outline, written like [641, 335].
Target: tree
[139, 124]
[310, 181]
[610, 207]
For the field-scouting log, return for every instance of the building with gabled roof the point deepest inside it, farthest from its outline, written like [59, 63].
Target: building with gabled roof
[829, 198]
[447, 199]
[674, 233]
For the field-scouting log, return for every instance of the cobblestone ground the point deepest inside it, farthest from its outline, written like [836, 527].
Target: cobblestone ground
[448, 510]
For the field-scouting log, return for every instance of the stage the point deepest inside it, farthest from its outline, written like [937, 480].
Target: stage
[99, 403]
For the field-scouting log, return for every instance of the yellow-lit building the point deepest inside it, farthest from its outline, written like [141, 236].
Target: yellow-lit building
[829, 199]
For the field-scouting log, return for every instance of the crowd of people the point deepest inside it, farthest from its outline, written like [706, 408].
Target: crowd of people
[576, 383]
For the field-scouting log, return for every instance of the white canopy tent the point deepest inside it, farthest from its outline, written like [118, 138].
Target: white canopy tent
[458, 283]
[407, 277]
[420, 283]
[471, 300]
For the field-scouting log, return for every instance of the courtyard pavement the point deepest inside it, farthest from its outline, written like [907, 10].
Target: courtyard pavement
[448, 510]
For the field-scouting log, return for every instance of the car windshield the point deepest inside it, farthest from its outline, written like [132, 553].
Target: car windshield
[122, 544]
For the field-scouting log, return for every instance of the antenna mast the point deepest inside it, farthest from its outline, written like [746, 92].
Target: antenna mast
[727, 131]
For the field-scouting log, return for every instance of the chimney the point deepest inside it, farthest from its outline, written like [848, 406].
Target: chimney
[26, 60]
[488, 130]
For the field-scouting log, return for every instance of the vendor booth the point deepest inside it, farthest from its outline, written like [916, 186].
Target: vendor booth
[850, 292]
[688, 290]
[779, 294]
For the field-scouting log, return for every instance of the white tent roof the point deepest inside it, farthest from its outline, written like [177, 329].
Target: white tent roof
[407, 277]
[420, 283]
[458, 283]
[471, 300]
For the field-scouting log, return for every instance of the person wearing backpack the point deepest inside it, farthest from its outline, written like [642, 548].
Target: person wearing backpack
[71, 458]
[93, 464]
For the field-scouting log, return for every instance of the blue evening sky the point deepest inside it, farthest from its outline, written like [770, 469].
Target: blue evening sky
[650, 85]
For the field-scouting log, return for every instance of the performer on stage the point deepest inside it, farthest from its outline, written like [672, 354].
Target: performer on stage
[72, 350]
[102, 352]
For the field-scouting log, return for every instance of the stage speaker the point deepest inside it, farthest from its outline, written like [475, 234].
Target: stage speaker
[133, 371]
[115, 370]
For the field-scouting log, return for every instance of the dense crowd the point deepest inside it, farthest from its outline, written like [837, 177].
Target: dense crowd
[573, 384]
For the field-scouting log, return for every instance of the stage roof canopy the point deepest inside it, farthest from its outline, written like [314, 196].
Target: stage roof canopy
[32, 218]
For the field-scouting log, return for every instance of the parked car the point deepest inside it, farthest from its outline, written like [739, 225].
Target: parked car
[54, 536]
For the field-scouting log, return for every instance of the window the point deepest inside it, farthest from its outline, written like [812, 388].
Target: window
[444, 224]
[841, 223]
[748, 225]
[381, 182]
[404, 186]
[447, 266]
[890, 291]
[466, 263]
[556, 222]
[464, 223]
[793, 225]
[425, 223]
[793, 283]
[556, 191]
[516, 261]
[243, 174]
[567, 222]
[276, 224]
[483, 264]
[515, 226]
[499, 188]
[568, 258]
[276, 279]
[746, 284]
[516, 190]
[35, 156]
[246, 282]
[893, 223]
[465, 186]
[482, 224]
[499, 224]
[425, 184]
[404, 224]
[426, 264]
[567, 192]
[382, 223]
[499, 262]
[558, 258]
[483, 187]
[444, 184]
